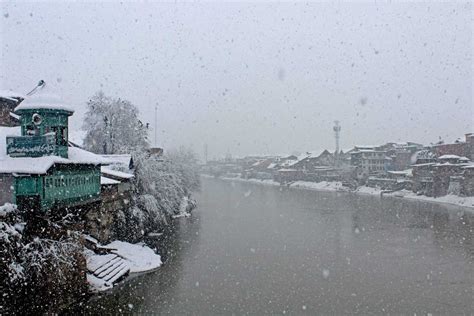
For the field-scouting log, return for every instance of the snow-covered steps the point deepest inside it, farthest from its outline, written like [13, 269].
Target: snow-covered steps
[105, 270]
[108, 264]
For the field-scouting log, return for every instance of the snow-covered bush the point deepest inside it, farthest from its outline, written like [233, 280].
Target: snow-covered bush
[168, 179]
[11, 245]
[185, 164]
[161, 184]
[47, 273]
[148, 203]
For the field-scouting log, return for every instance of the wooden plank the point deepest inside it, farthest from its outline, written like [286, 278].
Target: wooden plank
[106, 264]
[96, 262]
[110, 269]
[119, 274]
[115, 271]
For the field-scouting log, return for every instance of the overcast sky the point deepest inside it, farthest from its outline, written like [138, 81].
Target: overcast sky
[255, 78]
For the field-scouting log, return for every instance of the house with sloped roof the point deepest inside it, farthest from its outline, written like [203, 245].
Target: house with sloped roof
[311, 161]
[39, 171]
[8, 101]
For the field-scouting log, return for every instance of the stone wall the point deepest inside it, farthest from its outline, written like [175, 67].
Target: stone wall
[101, 221]
[6, 188]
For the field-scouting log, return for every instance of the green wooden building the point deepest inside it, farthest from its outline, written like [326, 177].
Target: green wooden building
[43, 170]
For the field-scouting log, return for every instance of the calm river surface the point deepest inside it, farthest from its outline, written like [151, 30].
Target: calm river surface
[254, 249]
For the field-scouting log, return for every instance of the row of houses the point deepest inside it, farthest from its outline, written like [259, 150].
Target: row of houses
[433, 170]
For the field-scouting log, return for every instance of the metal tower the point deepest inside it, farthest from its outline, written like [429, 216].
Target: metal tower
[337, 132]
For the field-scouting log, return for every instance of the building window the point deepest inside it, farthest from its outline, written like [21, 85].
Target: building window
[64, 136]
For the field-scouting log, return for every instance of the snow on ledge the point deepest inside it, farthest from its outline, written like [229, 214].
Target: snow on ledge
[97, 285]
[108, 181]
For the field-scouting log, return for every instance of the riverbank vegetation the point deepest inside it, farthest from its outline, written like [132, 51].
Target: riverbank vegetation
[44, 262]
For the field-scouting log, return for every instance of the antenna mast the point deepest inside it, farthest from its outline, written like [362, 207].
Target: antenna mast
[40, 84]
[337, 132]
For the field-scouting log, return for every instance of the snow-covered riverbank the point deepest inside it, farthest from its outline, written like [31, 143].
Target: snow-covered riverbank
[338, 187]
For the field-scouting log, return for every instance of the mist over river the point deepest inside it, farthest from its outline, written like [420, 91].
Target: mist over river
[257, 249]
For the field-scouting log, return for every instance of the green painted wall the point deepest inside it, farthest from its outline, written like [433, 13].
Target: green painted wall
[52, 121]
[64, 185]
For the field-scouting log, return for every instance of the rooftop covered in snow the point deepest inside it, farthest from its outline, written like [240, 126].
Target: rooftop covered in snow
[41, 165]
[46, 100]
[11, 95]
[115, 174]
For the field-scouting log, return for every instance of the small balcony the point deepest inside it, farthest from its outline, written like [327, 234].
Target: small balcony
[31, 146]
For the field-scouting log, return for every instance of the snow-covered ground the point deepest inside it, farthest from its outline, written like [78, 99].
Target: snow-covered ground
[320, 186]
[466, 201]
[338, 187]
[265, 182]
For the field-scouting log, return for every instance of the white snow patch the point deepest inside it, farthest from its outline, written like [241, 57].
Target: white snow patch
[44, 100]
[6, 209]
[108, 181]
[140, 257]
[265, 182]
[320, 186]
[115, 173]
[185, 207]
[97, 285]
[325, 273]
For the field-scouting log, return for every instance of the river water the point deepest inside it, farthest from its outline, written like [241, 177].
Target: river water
[254, 249]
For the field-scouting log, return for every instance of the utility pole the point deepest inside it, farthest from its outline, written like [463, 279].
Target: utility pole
[106, 134]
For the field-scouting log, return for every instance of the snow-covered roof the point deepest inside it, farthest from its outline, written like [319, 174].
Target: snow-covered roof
[29, 165]
[255, 164]
[122, 159]
[423, 164]
[422, 154]
[108, 181]
[306, 155]
[289, 162]
[44, 100]
[115, 173]
[41, 165]
[408, 172]
[10, 95]
[446, 164]
[78, 155]
[366, 147]
[449, 157]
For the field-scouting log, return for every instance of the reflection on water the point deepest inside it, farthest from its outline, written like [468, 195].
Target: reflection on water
[255, 249]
